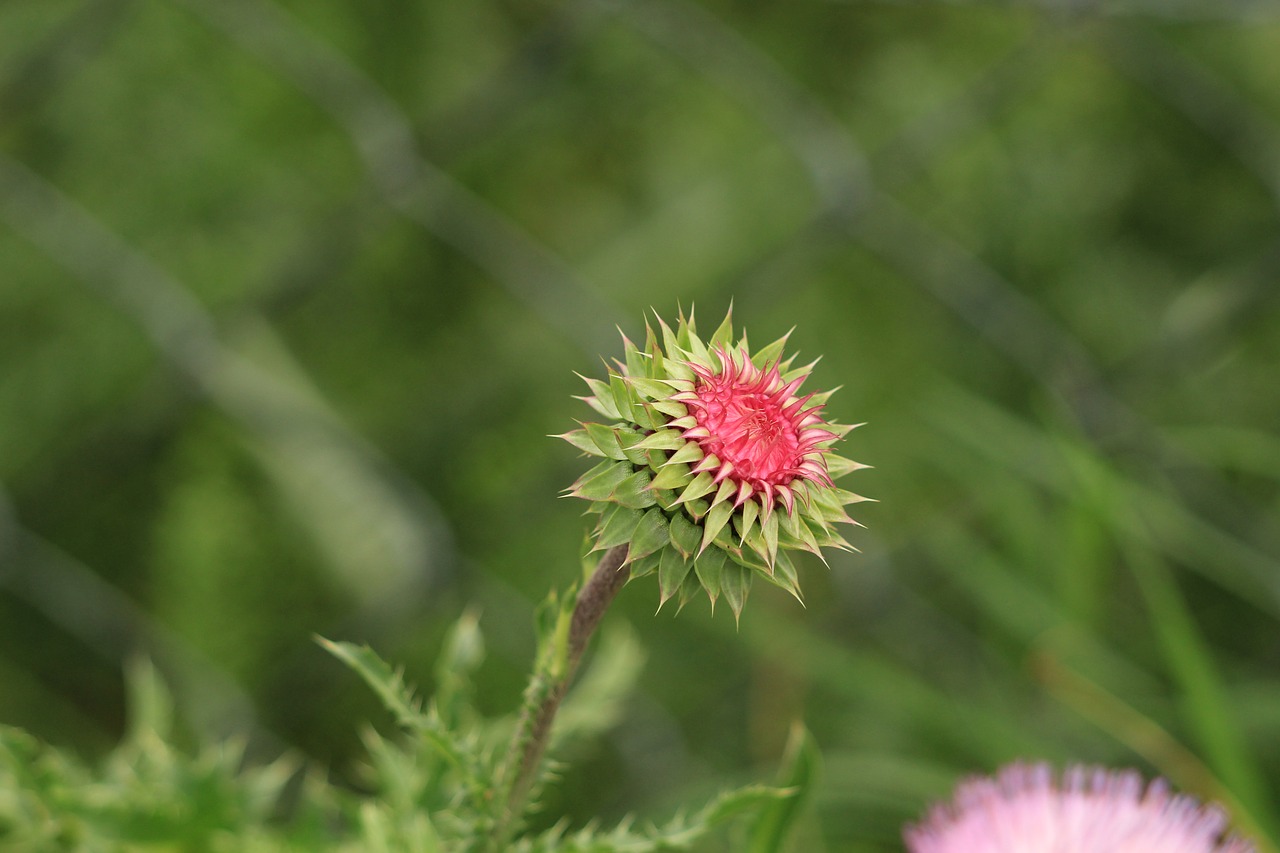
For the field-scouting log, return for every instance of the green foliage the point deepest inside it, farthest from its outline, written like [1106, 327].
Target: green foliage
[146, 795]
[291, 292]
[430, 789]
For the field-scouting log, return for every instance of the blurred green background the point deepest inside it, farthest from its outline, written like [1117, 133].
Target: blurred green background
[292, 292]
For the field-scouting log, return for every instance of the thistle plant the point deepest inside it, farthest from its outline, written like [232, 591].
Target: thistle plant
[715, 467]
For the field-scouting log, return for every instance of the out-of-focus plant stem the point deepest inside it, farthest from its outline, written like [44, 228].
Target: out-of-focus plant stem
[547, 687]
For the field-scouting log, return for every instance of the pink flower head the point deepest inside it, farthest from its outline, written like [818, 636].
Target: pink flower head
[755, 431]
[714, 467]
[1026, 809]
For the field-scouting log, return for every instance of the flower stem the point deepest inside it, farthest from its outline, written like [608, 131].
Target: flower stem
[547, 689]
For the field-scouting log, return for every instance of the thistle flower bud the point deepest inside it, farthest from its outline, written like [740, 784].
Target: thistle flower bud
[714, 466]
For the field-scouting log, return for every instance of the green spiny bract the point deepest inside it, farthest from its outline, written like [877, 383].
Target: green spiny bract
[714, 469]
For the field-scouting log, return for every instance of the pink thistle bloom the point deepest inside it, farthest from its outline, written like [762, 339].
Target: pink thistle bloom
[755, 431]
[714, 466]
[1026, 809]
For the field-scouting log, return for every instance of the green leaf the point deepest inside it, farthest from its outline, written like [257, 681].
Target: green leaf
[654, 349]
[723, 336]
[150, 706]
[389, 684]
[801, 765]
[672, 570]
[663, 439]
[746, 519]
[461, 656]
[715, 521]
[620, 394]
[697, 349]
[784, 575]
[670, 340]
[671, 408]
[677, 370]
[710, 568]
[838, 466]
[699, 486]
[634, 492]
[690, 452]
[770, 531]
[770, 354]
[652, 533]
[581, 440]
[601, 398]
[685, 535]
[672, 476]
[601, 482]
[606, 439]
[733, 803]
[619, 526]
[651, 389]
[645, 565]
[735, 584]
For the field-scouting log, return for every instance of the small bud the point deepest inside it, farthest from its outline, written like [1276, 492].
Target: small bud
[715, 466]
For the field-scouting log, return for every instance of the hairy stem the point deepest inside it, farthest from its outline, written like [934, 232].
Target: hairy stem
[547, 690]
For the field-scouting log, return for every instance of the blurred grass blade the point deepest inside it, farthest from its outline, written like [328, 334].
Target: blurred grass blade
[801, 768]
[1146, 738]
[150, 705]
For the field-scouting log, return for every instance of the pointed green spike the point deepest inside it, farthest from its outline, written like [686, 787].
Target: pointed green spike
[637, 360]
[634, 492]
[646, 416]
[651, 389]
[715, 521]
[663, 439]
[671, 408]
[709, 567]
[580, 439]
[838, 466]
[770, 531]
[701, 485]
[606, 439]
[750, 512]
[620, 394]
[652, 533]
[601, 398]
[770, 354]
[619, 526]
[645, 565]
[755, 542]
[683, 331]
[723, 336]
[696, 508]
[676, 369]
[656, 357]
[691, 452]
[672, 477]
[735, 584]
[599, 483]
[784, 575]
[684, 534]
[688, 590]
[728, 488]
[670, 339]
[672, 570]
[698, 350]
